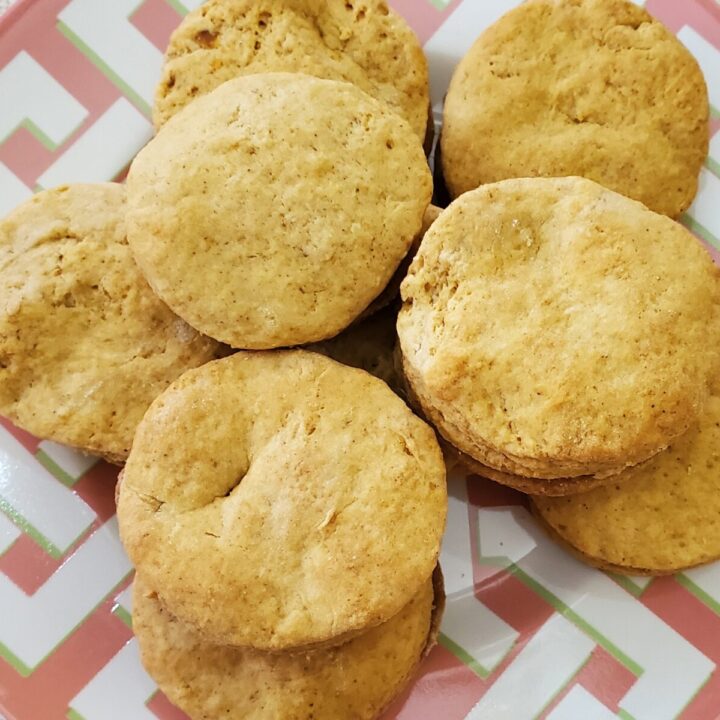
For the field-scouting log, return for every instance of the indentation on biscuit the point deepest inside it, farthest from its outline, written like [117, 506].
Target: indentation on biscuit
[206, 38]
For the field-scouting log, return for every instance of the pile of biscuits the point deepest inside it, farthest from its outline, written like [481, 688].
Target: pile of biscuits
[283, 508]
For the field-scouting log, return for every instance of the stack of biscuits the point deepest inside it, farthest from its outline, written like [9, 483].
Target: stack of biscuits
[215, 324]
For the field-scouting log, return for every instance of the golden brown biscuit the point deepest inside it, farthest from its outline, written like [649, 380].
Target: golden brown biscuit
[85, 346]
[555, 329]
[273, 210]
[654, 519]
[280, 500]
[361, 42]
[595, 88]
[354, 680]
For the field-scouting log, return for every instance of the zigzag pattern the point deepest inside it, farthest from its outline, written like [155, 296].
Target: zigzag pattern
[529, 632]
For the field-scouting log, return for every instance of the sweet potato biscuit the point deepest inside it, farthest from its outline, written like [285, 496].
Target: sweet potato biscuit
[595, 88]
[273, 210]
[354, 680]
[552, 328]
[85, 346]
[280, 500]
[654, 519]
[362, 42]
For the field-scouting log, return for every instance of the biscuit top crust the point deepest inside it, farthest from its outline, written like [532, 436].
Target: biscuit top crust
[595, 88]
[85, 346]
[361, 42]
[283, 500]
[215, 681]
[273, 210]
[553, 328]
[657, 516]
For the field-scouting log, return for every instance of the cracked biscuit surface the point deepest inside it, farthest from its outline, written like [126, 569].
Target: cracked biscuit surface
[272, 211]
[281, 500]
[354, 680]
[551, 328]
[85, 346]
[364, 43]
[595, 88]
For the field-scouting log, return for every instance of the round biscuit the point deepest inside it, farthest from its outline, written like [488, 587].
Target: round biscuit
[595, 88]
[281, 500]
[272, 211]
[551, 328]
[363, 42]
[85, 346]
[658, 518]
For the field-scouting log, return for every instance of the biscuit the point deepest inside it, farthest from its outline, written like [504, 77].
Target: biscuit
[355, 680]
[281, 500]
[364, 43]
[654, 519]
[272, 211]
[551, 328]
[595, 88]
[85, 346]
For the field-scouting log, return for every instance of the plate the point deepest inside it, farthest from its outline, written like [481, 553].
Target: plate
[529, 632]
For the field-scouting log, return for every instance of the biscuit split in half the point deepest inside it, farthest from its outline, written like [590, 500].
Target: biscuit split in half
[362, 42]
[272, 211]
[658, 518]
[595, 88]
[85, 345]
[355, 680]
[281, 500]
[553, 329]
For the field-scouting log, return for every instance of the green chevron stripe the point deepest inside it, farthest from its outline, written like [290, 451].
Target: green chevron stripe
[464, 656]
[120, 612]
[49, 464]
[15, 662]
[698, 592]
[177, 6]
[28, 529]
[713, 165]
[571, 615]
[103, 66]
[692, 224]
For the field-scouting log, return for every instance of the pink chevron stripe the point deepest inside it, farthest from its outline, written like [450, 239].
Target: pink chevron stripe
[426, 21]
[694, 13]
[603, 677]
[445, 689]
[25, 156]
[28, 441]
[48, 691]
[28, 565]
[156, 19]
[700, 625]
[164, 709]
